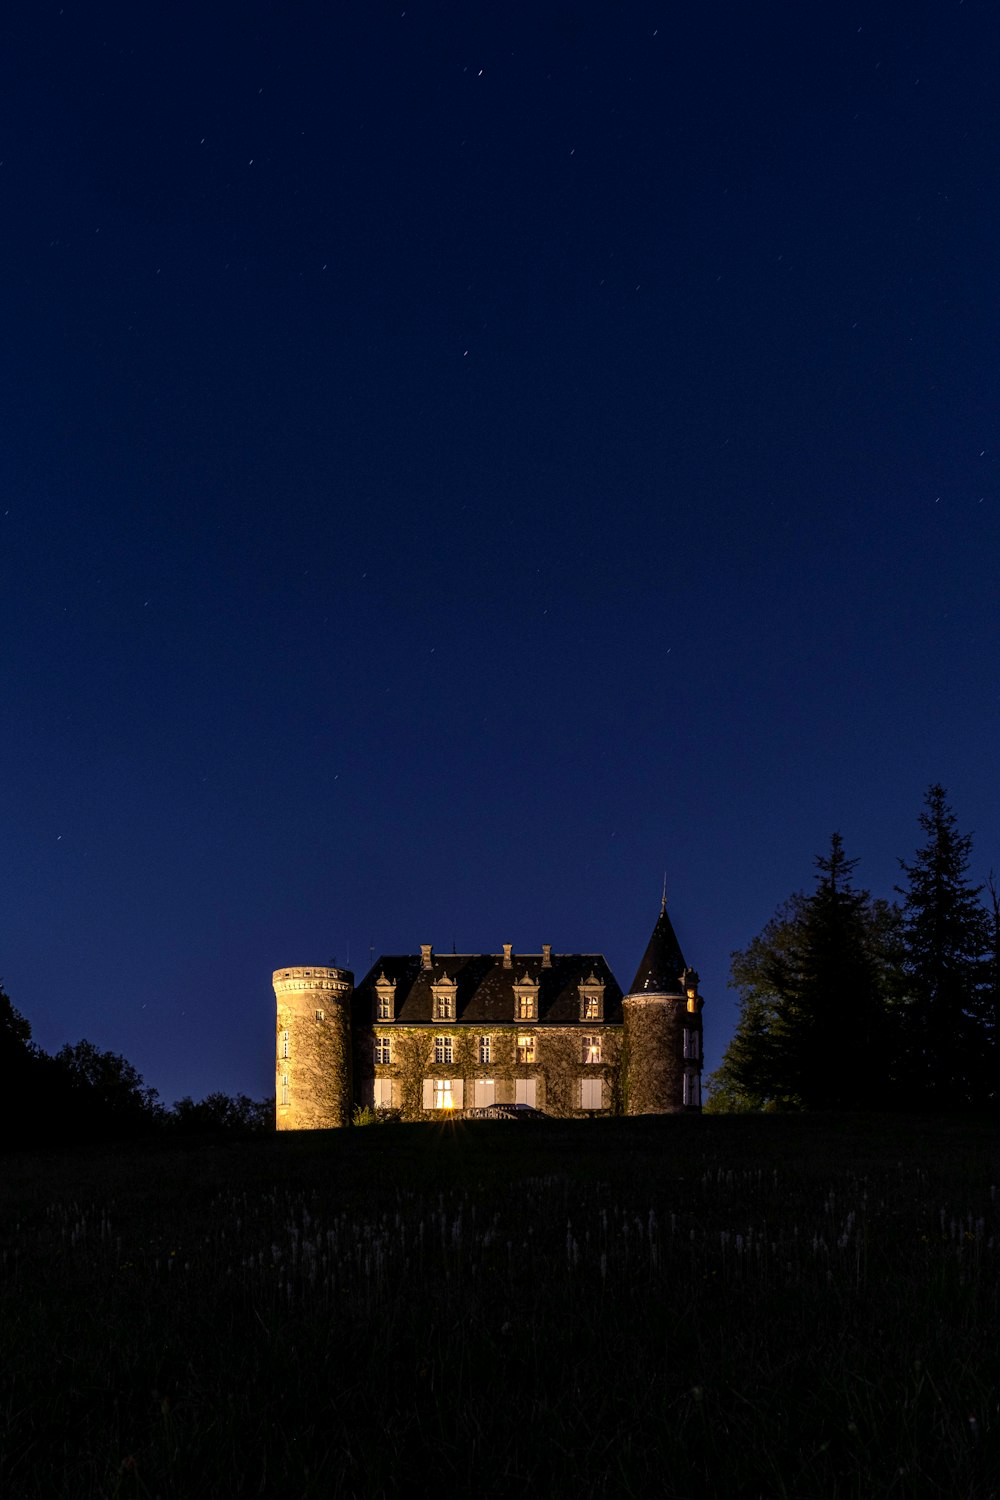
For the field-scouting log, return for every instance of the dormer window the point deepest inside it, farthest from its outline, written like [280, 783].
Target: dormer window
[526, 999]
[385, 999]
[443, 992]
[592, 998]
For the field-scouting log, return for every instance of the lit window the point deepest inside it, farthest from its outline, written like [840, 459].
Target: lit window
[442, 1049]
[284, 1088]
[691, 1048]
[485, 1049]
[385, 1007]
[526, 1049]
[591, 1049]
[383, 1049]
[444, 1093]
[692, 1088]
[526, 1007]
[591, 1093]
[485, 1092]
[591, 1008]
[284, 1044]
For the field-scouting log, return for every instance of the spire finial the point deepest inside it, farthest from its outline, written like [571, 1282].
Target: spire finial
[663, 902]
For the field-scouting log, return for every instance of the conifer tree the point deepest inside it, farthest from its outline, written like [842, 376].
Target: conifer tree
[945, 944]
[813, 1030]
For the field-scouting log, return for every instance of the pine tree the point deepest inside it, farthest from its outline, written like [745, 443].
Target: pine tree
[945, 946]
[830, 1027]
[813, 1030]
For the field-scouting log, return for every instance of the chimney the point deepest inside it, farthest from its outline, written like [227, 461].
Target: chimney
[546, 955]
[426, 956]
[506, 955]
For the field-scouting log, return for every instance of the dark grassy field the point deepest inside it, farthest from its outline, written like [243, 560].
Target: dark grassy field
[717, 1307]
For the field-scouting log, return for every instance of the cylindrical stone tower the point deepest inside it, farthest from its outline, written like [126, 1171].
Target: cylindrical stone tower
[313, 1086]
[663, 1031]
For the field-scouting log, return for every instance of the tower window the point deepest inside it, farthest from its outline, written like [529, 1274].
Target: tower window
[284, 1044]
[691, 1048]
[591, 1049]
[284, 1088]
[319, 1015]
[692, 1088]
[485, 1049]
[526, 1049]
[443, 1049]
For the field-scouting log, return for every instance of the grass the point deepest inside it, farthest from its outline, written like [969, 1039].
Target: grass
[689, 1308]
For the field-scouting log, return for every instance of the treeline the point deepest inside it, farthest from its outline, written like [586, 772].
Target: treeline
[850, 1001]
[80, 1092]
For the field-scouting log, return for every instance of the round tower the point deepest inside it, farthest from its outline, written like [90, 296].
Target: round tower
[312, 1075]
[663, 1031]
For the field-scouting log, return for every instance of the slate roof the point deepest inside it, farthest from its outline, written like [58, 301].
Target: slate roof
[662, 966]
[485, 989]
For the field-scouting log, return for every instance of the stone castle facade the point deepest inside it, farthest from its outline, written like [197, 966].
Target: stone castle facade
[424, 1033]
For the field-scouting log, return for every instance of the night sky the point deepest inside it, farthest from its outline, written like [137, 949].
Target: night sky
[462, 460]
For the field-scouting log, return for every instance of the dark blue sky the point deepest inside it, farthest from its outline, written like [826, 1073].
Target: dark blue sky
[461, 460]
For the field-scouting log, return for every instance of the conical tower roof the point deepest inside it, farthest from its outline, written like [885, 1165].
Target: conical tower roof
[662, 967]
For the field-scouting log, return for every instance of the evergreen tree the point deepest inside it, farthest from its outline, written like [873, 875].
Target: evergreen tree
[945, 1040]
[830, 1029]
[813, 1030]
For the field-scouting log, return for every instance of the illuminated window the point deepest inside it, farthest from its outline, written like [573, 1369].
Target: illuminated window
[591, 1049]
[691, 1048]
[485, 1092]
[692, 1088]
[444, 1093]
[383, 1049]
[284, 1044]
[526, 1049]
[442, 1049]
[591, 1093]
[385, 1007]
[284, 1088]
[526, 1007]
[485, 1049]
[591, 1008]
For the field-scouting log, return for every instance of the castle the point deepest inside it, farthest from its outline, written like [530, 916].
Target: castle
[428, 1032]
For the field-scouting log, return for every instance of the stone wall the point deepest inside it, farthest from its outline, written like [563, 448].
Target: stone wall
[654, 1046]
[558, 1065]
[313, 1048]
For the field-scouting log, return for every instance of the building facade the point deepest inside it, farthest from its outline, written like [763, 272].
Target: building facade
[424, 1033]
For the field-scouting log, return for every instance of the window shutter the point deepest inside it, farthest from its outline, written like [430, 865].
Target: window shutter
[428, 1093]
[457, 1093]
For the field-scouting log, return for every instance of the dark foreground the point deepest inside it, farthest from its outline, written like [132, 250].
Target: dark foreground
[717, 1307]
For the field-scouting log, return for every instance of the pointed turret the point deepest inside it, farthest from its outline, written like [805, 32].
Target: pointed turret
[661, 971]
[663, 1043]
